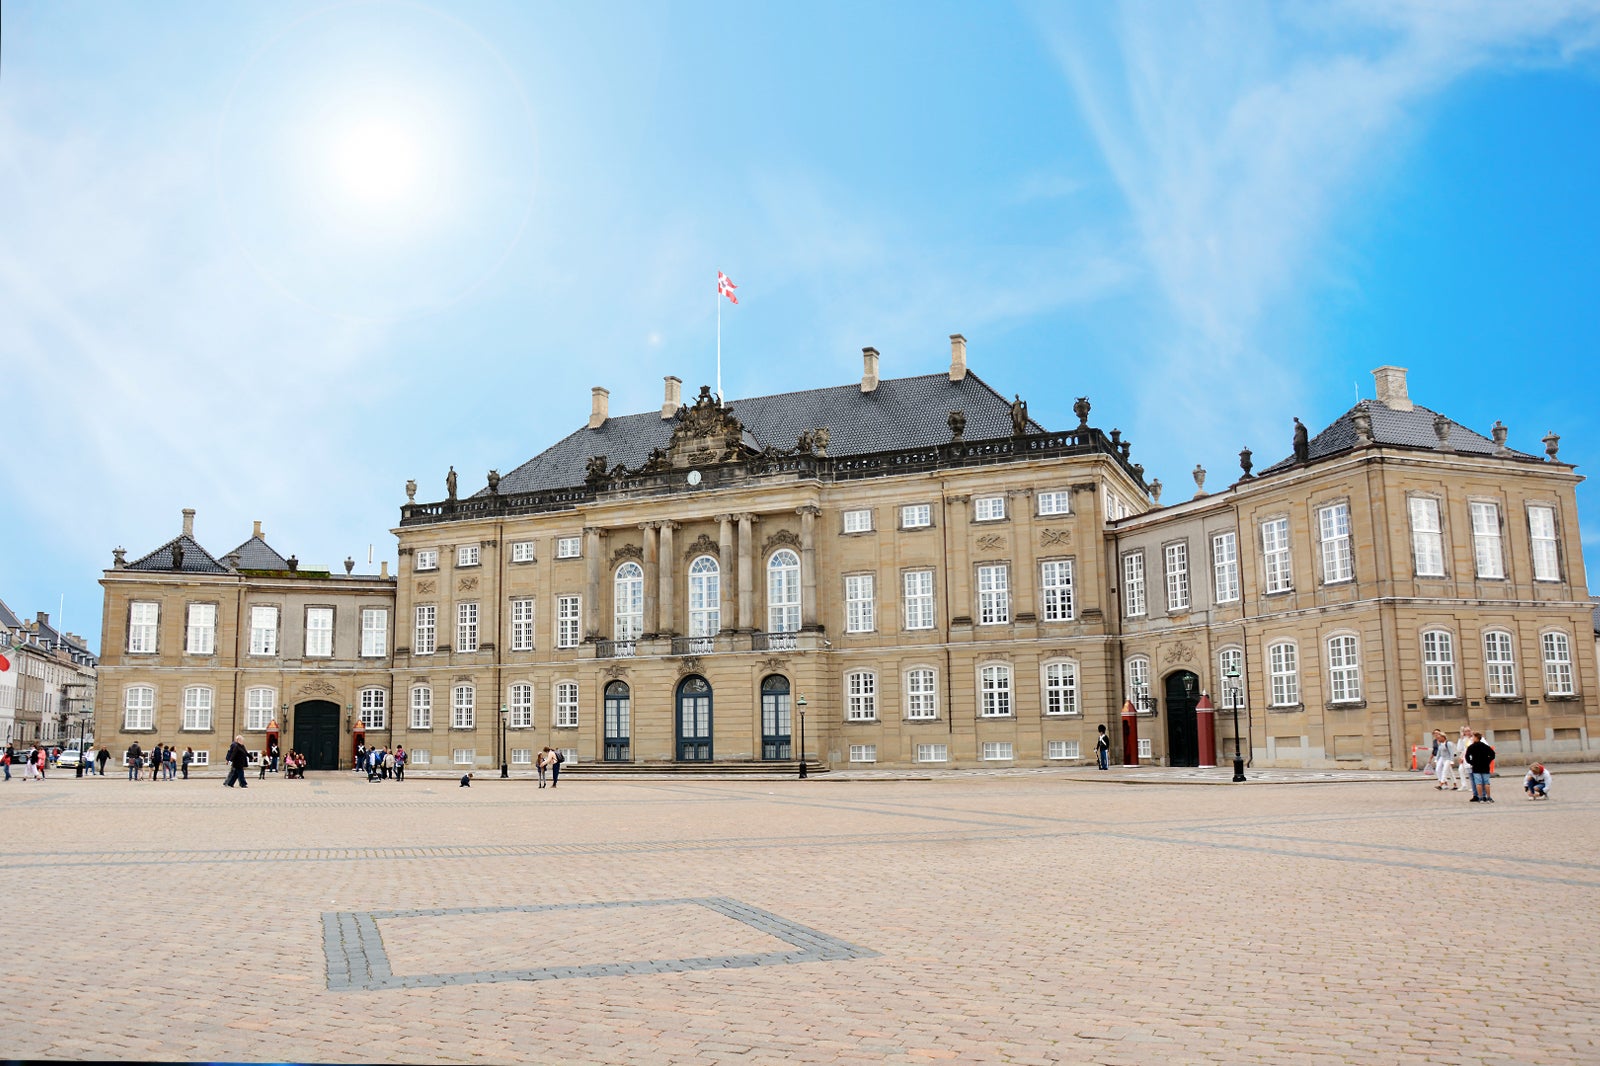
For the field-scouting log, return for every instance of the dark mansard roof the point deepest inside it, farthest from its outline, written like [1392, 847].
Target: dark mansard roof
[1399, 429]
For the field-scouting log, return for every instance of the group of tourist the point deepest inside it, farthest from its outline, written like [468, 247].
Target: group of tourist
[381, 764]
[1471, 758]
[164, 761]
[34, 762]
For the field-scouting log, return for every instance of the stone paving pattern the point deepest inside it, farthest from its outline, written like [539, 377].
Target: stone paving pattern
[998, 917]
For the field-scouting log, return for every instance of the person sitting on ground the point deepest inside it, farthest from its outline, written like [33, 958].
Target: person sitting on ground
[1537, 783]
[466, 780]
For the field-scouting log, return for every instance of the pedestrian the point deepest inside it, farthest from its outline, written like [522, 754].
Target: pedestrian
[103, 758]
[42, 756]
[1444, 757]
[388, 764]
[170, 761]
[238, 758]
[556, 759]
[541, 763]
[5, 761]
[466, 780]
[400, 762]
[1462, 744]
[1481, 758]
[1537, 783]
[266, 757]
[157, 756]
[1102, 749]
[132, 758]
[188, 757]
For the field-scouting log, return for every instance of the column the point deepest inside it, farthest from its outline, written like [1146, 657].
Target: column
[669, 617]
[725, 576]
[808, 566]
[652, 619]
[591, 595]
[747, 589]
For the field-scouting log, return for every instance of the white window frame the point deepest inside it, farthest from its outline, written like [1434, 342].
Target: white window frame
[259, 704]
[419, 757]
[467, 626]
[519, 705]
[1544, 542]
[1176, 568]
[1283, 672]
[995, 691]
[139, 708]
[569, 547]
[1063, 749]
[989, 509]
[421, 707]
[522, 551]
[200, 629]
[627, 601]
[916, 516]
[998, 751]
[1276, 556]
[1054, 502]
[1488, 549]
[1146, 748]
[425, 634]
[1439, 664]
[374, 632]
[1138, 671]
[705, 596]
[922, 694]
[1499, 664]
[783, 591]
[319, 632]
[1233, 657]
[931, 753]
[1225, 566]
[1556, 651]
[199, 703]
[864, 753]
[861, 696]
[917, 589]
[1133, 598]
[521, 756]
[994, 594]
[860, 603]
[464, 707]
[374, 706]
[1427, 536]
[858, 520]
[1333, 528]
[427, 559]
[522, 615]
[1056, 599]
[467, 555]
[263, 637]
[569, 621]
[1344, 668]
[464, 756]
[566, 704]
[1060, 688]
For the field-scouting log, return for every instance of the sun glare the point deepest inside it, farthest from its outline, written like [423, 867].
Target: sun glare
[377, 164]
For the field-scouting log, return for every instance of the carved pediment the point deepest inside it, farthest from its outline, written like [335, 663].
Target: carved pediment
[317, 688]
[627, 551]
[782, 538]
[702, 545]
[706, 433]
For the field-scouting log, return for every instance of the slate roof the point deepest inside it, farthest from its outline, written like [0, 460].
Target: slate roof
[1398, 429]
[8, 620]
[196, 560]
[900, 413]
[257, 554]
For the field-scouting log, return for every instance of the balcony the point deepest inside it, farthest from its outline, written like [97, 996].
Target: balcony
[774, 641]
[694, 645]
[615, 649]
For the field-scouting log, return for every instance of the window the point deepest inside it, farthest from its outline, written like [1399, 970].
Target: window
[994, 595]
[1427, 539]
[567, 705]
[859, 613]
[1438, 665]
[467, 555]
[419, 757]
[1146, 748]
[569, 547]
[522, 551]
[1486, 551]
[1283, 663]
[933, 753]
[1344, 671]
[1055, 587]
[466, 627]
[1333, 523]
[197, 708]
[421, 708]
[1542, 531]
[997, 751]
[861, 699]
[1557, 665]
[1116, 506]
[139, 708]
[1133, 584]
[1177, 557]
[1500, 666]
[319, 632]
[201, 758]
[142, 627]
[375, 708]
[1051, 503]
[859, 521]
[1062, 749]
[916, 516]
[783, 592]
[258, 704]
[521, 756]
[263, 631]
[988, 508]
[374, 632]
[200, 634]
[1225, 566]
[705, 592]
[1138, 679]
[1061, 688]
[922, 694]
[520, 706]
[994, 691]
[568, 609]
[1275, 553]
[463, 707]
[863, 753]
[423, 642]
[427, 558]
[464, 756]
[918, 599]
[628, 602]
[522, 624]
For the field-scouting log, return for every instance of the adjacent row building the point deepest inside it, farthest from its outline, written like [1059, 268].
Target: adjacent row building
[47, 682]
[896, 572]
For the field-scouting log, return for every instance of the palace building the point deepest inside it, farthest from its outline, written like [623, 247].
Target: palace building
[896, 572]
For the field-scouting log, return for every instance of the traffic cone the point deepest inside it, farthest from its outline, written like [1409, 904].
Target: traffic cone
[1413, 757]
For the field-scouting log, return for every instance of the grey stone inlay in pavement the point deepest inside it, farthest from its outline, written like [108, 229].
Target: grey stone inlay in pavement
[358, 961]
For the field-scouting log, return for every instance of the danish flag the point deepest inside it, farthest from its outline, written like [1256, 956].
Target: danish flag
[726, 287]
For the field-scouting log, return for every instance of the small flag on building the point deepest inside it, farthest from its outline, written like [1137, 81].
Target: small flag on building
[725, 287]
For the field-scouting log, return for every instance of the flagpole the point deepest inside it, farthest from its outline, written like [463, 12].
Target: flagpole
[719, 346]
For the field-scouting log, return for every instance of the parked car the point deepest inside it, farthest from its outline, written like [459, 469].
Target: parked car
[68, 759]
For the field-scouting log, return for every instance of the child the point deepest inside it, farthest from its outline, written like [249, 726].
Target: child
[1537, 783]
[466, 780]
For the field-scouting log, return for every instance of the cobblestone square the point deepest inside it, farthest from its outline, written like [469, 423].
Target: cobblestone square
[1030, 917]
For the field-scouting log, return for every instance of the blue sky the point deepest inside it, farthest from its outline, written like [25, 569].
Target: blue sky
[269, 260]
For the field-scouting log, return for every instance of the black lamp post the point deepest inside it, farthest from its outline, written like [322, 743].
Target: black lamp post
[81, 752]
[504, 769]
[800, 704]
[1235, 700]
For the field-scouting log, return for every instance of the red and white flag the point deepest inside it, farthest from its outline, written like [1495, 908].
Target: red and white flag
[726, 287]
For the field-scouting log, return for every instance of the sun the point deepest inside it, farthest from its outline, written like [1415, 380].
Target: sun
[377, 163]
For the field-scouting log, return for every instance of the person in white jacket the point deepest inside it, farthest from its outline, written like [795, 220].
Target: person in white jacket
[1444, 757]
[1537, 782]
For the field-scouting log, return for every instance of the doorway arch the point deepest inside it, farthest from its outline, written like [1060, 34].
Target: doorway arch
[694, 719]
[619, 726]
[316, 733]
[777, 737]
[1183, 736]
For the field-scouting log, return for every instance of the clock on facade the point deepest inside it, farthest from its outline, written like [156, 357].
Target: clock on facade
[694, 477]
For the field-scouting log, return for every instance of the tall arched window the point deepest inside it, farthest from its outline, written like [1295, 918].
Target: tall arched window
[705, 597]
[629, 602]
[139, 708]
[521, 705]
[1439, 664]
[375, 708]
[783, 592]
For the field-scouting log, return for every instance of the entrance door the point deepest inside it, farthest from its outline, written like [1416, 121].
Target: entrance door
[775, 727]
[694, 720]
[1183, 739]
[316, 734]
[619, 712]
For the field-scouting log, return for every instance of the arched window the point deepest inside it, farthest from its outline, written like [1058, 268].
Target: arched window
[705, 597]
[197, 703]
[375, 708]
[1344, 669]
[1061, 687]
[994, 691]
[519, 706]
[1439, 664]
[629, 602]
[463, 707]
[1283, 666]
[776, 724]
[1138, 679]
[1557, 664]
[422, 707]
[139, 708]
[1499, 664]
[783, 592]
[258, 706]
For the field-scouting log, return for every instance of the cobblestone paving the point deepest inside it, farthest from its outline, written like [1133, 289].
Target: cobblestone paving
[985, 917]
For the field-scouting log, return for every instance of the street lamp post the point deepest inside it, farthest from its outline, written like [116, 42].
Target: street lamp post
[1235, 698]
[800, 703]
[81, 752]
[504, 770]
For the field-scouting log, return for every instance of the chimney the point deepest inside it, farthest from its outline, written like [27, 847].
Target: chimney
[383, 568]
[257, 533]
[1392, 387]
[188, 522]
[869, 369]
[958, 357]
[674, 397]
[598, 411]
[44, 618]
